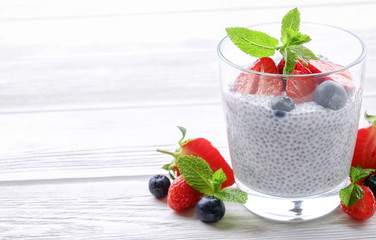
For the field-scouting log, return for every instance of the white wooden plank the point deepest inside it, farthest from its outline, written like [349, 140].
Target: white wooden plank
[122, 208]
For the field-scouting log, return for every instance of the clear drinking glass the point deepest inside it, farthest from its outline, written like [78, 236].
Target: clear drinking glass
[292, 165]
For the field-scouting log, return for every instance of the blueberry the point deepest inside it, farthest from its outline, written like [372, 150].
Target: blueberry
[279, 113]
[330, 94]
[371, 183]
[210, 209]
[158, 186]
[283, 103]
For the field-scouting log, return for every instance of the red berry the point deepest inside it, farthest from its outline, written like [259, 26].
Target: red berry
[301, 89]
[252, 83]
[365, 148]
[181, 196]
[270, 85]
[364, 208]
[280, 66]
[344, 77]
[246, 83]
[200, 147]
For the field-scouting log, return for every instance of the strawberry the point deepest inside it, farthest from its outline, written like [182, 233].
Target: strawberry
[252, 83]
[344, 77]
[300, 65]
[280, 66]
[364, 208]
[300, 89]
[200, 147]
[181, 196]
[269, 85]
[365, 147]
[246, 83]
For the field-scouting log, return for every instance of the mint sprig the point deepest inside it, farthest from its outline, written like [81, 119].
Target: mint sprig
[351, 194]
[255, 43]
[259, 44]
[198, 174]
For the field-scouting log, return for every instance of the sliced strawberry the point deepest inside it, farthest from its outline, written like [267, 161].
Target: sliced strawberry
[344, 77]
[300, 89]
[265, 65]
[248, 83]
[269, 85]
[280, 66]
[181, 196]
[200, 147]
[300, 67]
[364, 208]
[365, 148]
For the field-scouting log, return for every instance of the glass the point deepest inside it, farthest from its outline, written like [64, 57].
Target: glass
[293, 164]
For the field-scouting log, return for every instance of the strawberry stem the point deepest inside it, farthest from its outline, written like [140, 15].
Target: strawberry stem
[166, 152]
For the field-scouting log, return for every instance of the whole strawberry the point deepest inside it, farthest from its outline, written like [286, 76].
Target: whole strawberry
[358, 201]
[364, 208]
[200, 147]
[181, 196]
[365, 147]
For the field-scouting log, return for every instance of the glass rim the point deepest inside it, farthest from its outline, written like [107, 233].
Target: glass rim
[348, 66]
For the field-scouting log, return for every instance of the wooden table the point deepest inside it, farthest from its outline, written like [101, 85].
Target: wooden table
[90, 89]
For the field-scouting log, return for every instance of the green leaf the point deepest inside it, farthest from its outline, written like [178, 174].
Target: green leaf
[371, 119]
[254, 43]
[166, 166]
[351, 194]
[232, 195]
[291, 58]
[218, 178]
[197, 173]
[303, 53]
[290, 21]
[358, 173]
[183, 131]
[296, 38]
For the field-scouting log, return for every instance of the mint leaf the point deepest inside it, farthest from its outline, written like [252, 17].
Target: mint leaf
[291, 58]
[254, 43]
[303, 53]
[290, 21]
[232, 195]
[371, 119]
[351, 194]
[197, 173]
[358, 173]
[296, 38]
[218, 178]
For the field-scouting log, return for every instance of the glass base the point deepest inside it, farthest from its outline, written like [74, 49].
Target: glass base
[292, 209]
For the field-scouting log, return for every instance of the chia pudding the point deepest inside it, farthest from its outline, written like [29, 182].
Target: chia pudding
[305, 152]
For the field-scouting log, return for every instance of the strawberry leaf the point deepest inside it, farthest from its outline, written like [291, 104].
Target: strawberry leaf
[371, 119]
[254, 43]
[197, 173]
[232, 195]
[183, 131]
